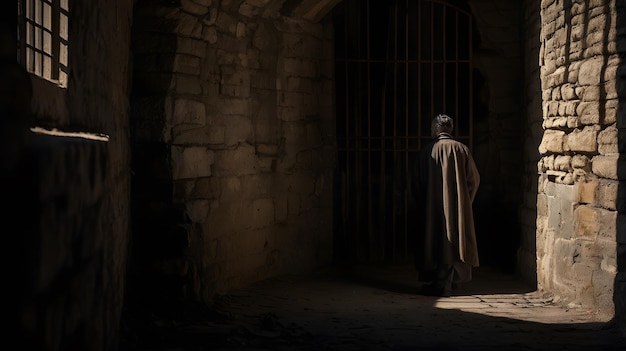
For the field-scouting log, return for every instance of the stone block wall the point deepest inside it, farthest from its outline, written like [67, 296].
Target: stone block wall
[234, 144]
[579, 169]
[67, 185]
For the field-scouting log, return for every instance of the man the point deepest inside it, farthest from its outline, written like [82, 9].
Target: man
[446, 181]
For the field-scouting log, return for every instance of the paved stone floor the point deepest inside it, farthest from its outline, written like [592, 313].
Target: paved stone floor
[379, 309]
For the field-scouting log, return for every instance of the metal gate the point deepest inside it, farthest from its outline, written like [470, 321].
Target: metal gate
[398, 64]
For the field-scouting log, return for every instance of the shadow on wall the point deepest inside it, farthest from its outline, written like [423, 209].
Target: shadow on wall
[157, 237]
[619, 292]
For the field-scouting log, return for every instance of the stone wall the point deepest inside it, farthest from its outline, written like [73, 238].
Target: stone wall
[68, 185]
[233, 144]
[577, 203]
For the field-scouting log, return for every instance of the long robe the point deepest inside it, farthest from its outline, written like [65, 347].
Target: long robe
[446, 179]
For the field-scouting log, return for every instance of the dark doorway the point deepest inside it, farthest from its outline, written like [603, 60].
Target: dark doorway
[398, 63]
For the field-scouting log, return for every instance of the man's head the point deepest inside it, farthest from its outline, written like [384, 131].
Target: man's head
[442, 124]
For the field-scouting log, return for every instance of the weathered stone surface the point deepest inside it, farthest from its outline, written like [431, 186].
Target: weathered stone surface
[592, 222]
[191, 162]
[607, 141]
[188, 111]
[589, 112]
[552, 141]
[584, 140]
[605, 166]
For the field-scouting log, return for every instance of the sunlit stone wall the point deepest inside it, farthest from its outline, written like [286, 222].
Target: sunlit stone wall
[579, 170]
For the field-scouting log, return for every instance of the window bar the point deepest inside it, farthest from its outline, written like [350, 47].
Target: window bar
[370, 214]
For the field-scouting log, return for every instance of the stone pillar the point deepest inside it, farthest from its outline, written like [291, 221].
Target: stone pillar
[577, 224]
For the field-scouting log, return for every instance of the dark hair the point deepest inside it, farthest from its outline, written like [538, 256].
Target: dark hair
[444, 121]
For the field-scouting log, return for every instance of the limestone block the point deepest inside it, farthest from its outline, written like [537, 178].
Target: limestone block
[563, 163]
[586, 222]
[611, 89]
[577, 33]
[542, 165]
[234, 81]
[209, 34]
[584, 140]
[197, 210]
[260, 185]
[568, 92]
[562, 111]
[269, 150]
[230, 188]
[281, 210]
[603, 283]
[240, 160]
[542, 207]
[226, 217]
[573, 122]
[185, 84]
[187, 64]
[188, 25]
[589, 112]
[591, 71]
[191, 162]
[191, 134]
[610, 111]
[581, 161]
[551, 108]
[203, 3]
[196, 7]
[188, 112]
[202, 188]
[592, 93]
[300, 67]
[586, 192]
[226, 22]
[191, 46]
[605, 166]
[552, 142]
[607, 141]
[265, 164]
[556, 94]
[579, 8]
[262, 212]
[608, 191]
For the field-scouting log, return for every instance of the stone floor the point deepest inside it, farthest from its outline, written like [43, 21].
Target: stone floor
[379, 309]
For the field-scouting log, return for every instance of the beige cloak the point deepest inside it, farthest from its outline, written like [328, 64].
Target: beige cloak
[447, 180]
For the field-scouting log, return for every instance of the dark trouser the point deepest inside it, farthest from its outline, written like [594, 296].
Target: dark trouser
[449, 274]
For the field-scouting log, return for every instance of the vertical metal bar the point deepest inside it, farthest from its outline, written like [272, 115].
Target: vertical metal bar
[432, 58]
[456, 69]
[21, 18]
[370, 200]
[357, 122]
[443, 61]
[470, 87]
[348, 152]
[56, 39]
[406, 126]
[395, 118]
[419, 74]
[381, 166]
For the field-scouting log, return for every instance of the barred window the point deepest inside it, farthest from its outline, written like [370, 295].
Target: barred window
[43, 38]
